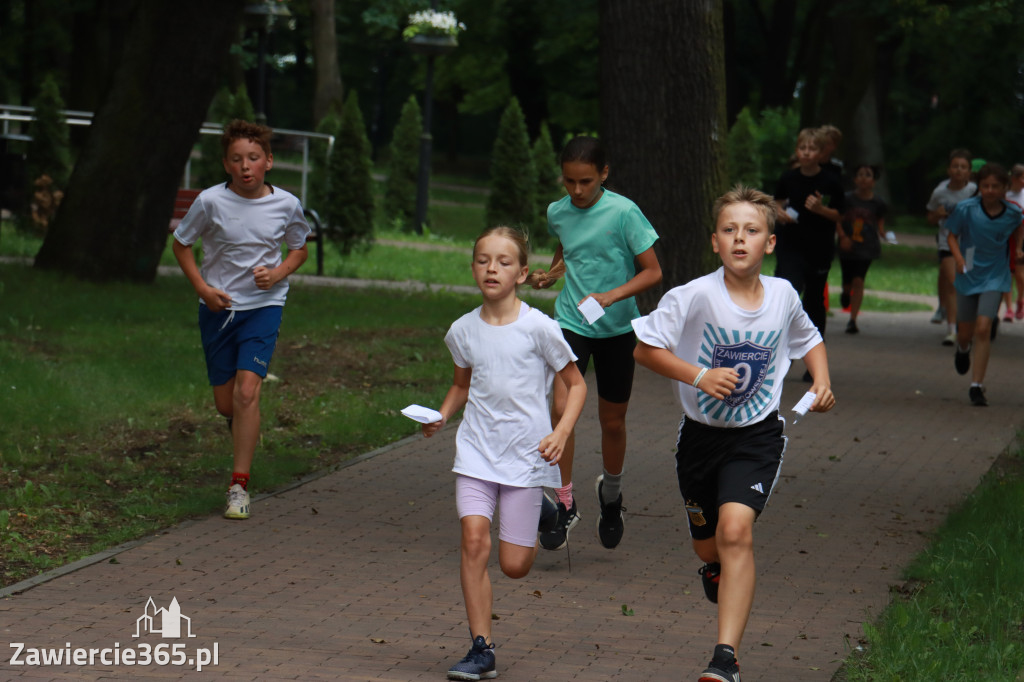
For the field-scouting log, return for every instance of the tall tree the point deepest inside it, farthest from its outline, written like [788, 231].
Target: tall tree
[112, 223]
[663, 121]
[327, 94]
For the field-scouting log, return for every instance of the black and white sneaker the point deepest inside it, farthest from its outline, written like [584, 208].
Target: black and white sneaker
[610, 524]
[714, 673]
[709, 577]
[558, 537]
[977, 396]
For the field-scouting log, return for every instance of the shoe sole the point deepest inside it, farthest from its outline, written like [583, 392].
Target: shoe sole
[237, 516]
[597, 528]
[471, 677]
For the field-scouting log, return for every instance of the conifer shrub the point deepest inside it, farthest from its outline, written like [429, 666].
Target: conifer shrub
[349, 208]
[549, 185]
[403, 167]
[513, 197]
[48, 162]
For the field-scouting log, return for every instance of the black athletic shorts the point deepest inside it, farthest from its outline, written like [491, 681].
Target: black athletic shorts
[717, 465]
[613, 362]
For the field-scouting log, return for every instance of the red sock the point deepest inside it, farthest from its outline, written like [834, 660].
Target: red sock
[240, 479]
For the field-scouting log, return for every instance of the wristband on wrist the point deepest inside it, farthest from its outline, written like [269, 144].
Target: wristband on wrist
[700, 375]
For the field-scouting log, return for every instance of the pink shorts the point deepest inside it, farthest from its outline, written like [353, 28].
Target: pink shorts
[519, 513]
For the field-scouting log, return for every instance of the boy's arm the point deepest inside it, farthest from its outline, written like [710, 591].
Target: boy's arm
[649, 276]
[215, 299]
[454, 400]
[266, 278]
[817, 364]
[552, 445]
[954, 248]
[814, 204]
[717, 383]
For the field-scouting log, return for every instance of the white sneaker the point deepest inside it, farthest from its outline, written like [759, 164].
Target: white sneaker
[238, 503]
[939, 315]
[950, 339]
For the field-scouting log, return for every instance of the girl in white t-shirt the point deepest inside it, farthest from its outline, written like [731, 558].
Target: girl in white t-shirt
[506, 355]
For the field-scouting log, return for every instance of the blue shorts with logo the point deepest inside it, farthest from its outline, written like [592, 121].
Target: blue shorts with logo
[234, 340]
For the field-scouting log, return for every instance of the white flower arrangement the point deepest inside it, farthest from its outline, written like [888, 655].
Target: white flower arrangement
[430, 22]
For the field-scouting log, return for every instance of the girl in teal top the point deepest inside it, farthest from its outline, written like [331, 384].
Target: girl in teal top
[603, 238]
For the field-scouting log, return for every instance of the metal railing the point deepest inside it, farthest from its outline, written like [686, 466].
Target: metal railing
[15, 120]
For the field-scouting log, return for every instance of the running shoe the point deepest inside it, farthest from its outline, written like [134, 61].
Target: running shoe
[709, 577]
[238, 503]
[610, 523]
[478, 664]
[977, 396]
[939, 316]
[851, 327]
[1008, 317]
[548, 515]
[962, 360]
[715, 673]
[950, 339]
[559, 536]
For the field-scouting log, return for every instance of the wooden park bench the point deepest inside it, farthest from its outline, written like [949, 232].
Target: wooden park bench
[183, 201]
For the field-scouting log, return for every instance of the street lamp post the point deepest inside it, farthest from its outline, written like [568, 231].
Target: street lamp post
[430, 46]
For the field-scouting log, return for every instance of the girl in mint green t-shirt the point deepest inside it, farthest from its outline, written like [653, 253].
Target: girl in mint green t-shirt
[606, 247]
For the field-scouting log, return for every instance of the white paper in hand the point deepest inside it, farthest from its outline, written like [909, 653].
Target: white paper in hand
[423, 415]
[792, 213]
[591, 309]
[803, 405]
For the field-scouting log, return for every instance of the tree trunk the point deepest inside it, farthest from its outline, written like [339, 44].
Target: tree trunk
[328, 94]
[663, 122]
[112, 224]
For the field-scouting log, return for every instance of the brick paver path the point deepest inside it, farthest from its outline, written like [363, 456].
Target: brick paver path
[354, 575]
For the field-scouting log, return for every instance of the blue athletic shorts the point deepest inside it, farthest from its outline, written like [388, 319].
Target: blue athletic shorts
[716, 465]
[234, 340]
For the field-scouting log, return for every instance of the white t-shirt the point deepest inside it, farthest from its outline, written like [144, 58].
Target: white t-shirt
[507, 411]
[942, 195]
[239, 234]
[700, 323]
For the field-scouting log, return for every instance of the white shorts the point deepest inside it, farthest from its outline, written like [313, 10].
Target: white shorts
[520, 507]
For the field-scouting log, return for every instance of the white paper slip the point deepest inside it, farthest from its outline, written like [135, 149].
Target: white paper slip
[792, 213]
[591, 309]
[423, 415]
[803, 405]
[968, 259]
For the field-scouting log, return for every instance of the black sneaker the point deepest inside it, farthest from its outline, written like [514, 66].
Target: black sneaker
[716, 673]
[559, 535]
[610, 523]
[851, 327]
[548, 515]
[962, 360]
[977, 395]
[478, 664]
[709, 576]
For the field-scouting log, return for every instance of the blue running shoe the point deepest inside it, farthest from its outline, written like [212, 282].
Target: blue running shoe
[478, 664]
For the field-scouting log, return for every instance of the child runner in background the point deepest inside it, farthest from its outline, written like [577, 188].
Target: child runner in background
[727, 339]
[602, 237]
[860, 239]
[1016, 195]
[242, 286]
[810, 203]
[506, 355]
[942, 202]
[980, 229]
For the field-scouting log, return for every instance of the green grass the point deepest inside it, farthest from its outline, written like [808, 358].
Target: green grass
[961, 617]
[108, 429]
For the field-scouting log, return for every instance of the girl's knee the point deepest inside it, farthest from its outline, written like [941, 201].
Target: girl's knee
[516, 568]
